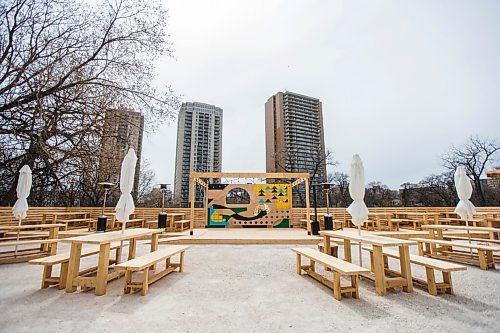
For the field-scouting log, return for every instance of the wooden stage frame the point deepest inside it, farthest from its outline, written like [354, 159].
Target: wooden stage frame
[197, 178]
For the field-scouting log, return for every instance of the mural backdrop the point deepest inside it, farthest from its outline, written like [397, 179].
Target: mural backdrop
[267, 205]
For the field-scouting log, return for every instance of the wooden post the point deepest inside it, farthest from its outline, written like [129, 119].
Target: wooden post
[378, 265]
[308, 217]
[404, 259]
[74, 266]
[102, 270]
[192, 195]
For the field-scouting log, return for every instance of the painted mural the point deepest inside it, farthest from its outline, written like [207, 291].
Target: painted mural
[263, 205]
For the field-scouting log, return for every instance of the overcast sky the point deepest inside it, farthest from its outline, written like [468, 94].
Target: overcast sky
[400, 81]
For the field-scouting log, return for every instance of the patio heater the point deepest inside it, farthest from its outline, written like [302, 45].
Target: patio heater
[102, 220]
[162, 216]
[315, 223]
[327, 218]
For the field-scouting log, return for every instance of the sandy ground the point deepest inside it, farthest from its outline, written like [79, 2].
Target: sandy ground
[252, 288]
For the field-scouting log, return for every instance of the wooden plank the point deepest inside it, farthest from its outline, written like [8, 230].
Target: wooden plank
[108, 237]
[463, 245]
[367, 238]
[146, 260]
[339, 265]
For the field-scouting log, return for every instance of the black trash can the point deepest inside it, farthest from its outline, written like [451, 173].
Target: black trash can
[328, 222]
[102, 222]
[162, 220]
[315, 227]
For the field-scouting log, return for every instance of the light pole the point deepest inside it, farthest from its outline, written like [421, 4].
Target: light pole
[162, 216]
[102, 221]
[327, 218]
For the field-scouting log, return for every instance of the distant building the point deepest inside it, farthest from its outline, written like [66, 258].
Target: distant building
[199, 146]
[493, 178]
[123, 129]
[295, 137]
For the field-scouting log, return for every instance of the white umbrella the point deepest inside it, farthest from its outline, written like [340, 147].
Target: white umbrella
[20, 208]
[464, 208]
[125, 205]
[357, 209]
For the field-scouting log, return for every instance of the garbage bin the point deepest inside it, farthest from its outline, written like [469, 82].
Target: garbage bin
[162, 220]
[102, 222]
[328, 222]
[315, 227]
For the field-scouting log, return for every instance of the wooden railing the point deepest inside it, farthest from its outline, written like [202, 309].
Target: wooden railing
[35, 213]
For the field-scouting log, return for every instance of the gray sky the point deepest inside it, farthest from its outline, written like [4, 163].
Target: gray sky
[400, 81]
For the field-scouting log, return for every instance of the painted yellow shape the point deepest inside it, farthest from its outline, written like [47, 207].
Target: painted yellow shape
[216, 217]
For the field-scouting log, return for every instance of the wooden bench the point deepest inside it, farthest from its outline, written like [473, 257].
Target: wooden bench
[474, 239]
[63, 259]
[338, 266]
[430, 265]
[73, 221]
[145, 262]
[47, 246]
[180, 224]
[484, 252]
[334, 248]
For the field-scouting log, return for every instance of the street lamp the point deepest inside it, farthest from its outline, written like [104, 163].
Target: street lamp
[162, 216]
[102, 220]
[315, 223]
[327, 218]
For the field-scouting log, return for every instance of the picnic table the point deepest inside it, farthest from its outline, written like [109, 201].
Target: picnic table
[172, 217]
[104, 240]
[41, 239]
[382, 283]
[436, 230]
[379, 218]
[55, 216]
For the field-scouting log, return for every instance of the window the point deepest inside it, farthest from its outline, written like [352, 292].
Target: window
[237, 196]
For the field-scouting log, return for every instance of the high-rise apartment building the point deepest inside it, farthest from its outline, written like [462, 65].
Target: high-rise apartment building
[199, 146]
[294, 136]
[123, 129]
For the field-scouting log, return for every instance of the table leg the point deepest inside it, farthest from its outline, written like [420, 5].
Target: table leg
[347, 250]
[131, 249]
[404, 260]
[102, 270]
[53, 234]
[74, 266]
[326, 245]
[154, 247]
[378, 265]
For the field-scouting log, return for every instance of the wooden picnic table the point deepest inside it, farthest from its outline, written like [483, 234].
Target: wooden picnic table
[55, 216]
[171, 219]
[382, 283]
[425, 217]
[436, 230]
[379, 217]
[104, 241]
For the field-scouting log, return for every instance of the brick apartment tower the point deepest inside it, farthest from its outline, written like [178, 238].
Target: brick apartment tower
[123, 129]
[294, 138]
[199, 147]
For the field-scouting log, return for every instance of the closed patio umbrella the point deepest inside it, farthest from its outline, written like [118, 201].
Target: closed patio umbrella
[357, 209]
[20, 208]
[464, 208]
[125, 205]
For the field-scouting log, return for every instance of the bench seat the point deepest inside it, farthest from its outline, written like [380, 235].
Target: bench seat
[338, 266]
[147, 262]
[181, 224]
[484, 252]
[430, 265]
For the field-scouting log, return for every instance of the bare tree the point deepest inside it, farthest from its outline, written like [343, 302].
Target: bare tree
[340, 196]
[314, 162]
[63, 64]
[477, 154]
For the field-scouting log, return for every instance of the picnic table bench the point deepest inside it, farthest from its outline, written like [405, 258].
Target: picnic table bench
[63, 259]
[66, 222]
[181, 225]
[484, 252]
[146, 262]
[430, 265]
[338, 266]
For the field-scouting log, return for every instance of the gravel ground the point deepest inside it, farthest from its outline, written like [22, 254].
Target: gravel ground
[252, 288]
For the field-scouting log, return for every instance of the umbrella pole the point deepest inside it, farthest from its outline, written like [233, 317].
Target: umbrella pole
[359, 245]
[17, 239]
[468, 233]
